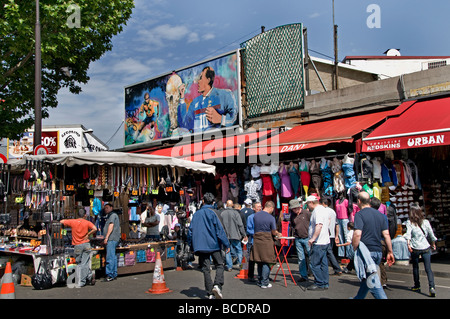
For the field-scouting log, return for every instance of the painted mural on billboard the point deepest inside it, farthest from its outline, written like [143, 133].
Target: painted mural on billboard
[193, 100]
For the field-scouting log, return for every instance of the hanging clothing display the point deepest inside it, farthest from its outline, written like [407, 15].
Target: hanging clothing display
[388, 173]
[325, 169]
[268, 188]
[252, 188]
[275, 177]
[338, 176]
[305, 177]
[295, 178]
[316, 179]
[286, 188]
[234, 189]
[349, 173]
[376, 169]
[341, 208]
[225, 187]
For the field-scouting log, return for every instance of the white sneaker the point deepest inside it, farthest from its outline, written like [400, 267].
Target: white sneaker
[268, 286]
[217, 292]
[211, 297]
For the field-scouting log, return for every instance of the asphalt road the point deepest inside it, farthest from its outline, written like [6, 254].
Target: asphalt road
[188, 285]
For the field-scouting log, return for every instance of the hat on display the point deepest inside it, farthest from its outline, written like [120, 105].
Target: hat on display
[294, 203]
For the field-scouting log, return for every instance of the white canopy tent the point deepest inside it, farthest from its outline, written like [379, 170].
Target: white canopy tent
[115, 158]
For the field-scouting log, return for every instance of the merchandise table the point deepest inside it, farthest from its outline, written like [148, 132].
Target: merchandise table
[132, 265]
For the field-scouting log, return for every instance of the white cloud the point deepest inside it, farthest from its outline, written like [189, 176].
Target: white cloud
[208, 36]
[193, 37]
[314, 15]
[159, 36]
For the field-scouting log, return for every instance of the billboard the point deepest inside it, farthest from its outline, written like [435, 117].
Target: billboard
[195, 99]
[60, 141]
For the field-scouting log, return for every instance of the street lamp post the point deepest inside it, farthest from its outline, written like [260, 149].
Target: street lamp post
[37, 82]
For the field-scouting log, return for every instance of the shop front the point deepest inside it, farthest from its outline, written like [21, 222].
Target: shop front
[418, 132]
[45, 189]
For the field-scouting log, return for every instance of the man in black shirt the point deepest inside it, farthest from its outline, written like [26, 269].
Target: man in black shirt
[300, 224]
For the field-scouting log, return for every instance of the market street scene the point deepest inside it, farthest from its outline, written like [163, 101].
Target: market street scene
[249, 152]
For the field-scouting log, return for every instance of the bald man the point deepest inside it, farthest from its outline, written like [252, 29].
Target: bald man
[371, 227]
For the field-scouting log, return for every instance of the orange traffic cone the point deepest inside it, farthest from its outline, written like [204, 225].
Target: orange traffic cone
[159, 284]
[7, 291]
[243, 274]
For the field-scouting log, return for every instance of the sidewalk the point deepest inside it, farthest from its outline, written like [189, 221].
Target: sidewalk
[440, 264]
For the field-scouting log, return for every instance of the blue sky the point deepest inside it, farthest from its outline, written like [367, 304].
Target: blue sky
[165, 35]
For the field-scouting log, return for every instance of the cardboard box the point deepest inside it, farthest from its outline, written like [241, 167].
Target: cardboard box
[25, 281]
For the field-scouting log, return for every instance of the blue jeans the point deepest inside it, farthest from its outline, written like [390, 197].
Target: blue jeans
[342, 236]
[236, 250]
[426, 255]
[319, 265]
[111, 259]
[263, 273]
[377, 292]
[302, 246]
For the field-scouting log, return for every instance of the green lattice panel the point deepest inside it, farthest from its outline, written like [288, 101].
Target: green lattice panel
[273, 66]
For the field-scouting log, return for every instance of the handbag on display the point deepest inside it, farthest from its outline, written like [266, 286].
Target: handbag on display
[43, 278]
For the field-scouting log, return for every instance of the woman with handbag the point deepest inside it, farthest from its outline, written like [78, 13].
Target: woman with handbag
[421, 240]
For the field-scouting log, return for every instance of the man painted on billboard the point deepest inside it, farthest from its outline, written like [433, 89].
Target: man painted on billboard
[183, 102]
[213, 108]
[147, 112]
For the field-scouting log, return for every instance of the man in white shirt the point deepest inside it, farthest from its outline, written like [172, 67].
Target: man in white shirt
[319, 240]
[332, 230]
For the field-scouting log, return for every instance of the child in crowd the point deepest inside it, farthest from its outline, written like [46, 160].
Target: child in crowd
[348, 245]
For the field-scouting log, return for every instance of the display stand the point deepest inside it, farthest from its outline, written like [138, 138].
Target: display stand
[132, 264]
[284, 259]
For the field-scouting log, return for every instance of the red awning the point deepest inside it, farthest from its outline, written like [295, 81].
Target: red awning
[317, 134]
[412, 125]
[212, 149]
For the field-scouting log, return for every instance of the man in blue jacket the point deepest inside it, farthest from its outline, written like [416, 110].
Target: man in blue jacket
[206, 237]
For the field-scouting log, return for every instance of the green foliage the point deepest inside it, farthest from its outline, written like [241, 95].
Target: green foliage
[62, 46]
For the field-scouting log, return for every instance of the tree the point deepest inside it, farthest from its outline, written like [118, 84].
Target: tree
[73, 34]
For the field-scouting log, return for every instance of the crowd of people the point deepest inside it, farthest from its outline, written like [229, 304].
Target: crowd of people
[219, 232]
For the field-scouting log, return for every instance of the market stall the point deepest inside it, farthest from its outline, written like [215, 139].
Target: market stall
[45, 189]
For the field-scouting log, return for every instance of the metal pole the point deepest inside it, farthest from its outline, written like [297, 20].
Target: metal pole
[37, 83]
[336, 70]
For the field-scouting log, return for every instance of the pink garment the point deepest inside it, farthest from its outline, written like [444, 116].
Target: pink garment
[355, 210]
[342, 209]
[286, 188]
[383, 209]
[225, 187]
